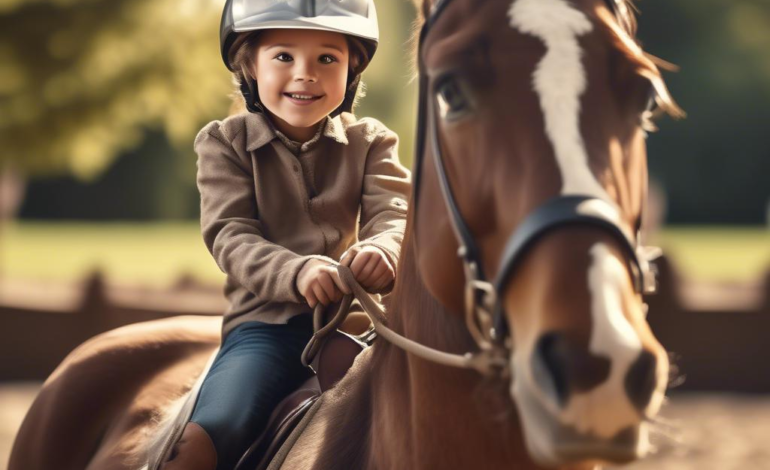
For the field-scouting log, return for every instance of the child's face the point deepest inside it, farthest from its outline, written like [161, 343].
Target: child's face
[301, 75]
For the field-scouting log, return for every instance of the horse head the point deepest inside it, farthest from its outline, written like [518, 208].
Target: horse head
[531, 107]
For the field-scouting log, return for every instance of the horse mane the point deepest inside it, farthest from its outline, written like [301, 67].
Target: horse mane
[626, 16]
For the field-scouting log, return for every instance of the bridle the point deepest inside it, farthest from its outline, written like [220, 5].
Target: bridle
[484, 313]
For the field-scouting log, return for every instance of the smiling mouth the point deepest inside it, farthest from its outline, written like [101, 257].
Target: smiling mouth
[302, 96]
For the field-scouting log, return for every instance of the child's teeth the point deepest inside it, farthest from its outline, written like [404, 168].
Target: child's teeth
[301, 97]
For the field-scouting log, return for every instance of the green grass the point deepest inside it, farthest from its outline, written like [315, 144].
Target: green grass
[718, 253]
[157, 254]
[152, 254]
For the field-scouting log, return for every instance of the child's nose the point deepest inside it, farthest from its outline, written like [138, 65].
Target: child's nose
[305, 72]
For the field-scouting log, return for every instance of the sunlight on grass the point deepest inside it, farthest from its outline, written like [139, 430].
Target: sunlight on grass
[718, 253]
[151, 254]
[158, 254]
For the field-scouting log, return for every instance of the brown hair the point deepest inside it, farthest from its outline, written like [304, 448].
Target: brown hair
[241, 61]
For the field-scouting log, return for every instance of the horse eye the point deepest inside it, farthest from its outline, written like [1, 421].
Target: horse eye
[452, 101]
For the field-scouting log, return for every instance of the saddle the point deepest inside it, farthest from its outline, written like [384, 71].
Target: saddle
[332, 356]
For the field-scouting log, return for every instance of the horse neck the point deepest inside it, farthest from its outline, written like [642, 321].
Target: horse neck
[436, 416]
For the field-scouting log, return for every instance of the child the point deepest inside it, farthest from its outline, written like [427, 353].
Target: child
[288, 189]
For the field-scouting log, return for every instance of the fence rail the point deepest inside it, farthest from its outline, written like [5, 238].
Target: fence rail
[718, 335]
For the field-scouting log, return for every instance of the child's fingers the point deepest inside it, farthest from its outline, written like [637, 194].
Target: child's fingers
[382, 267]
[311, 298]
[365, 277]
[382, 281]
[359, 262]
[328, 285]
[320, 294]
[368, 273]
[348, 258]
[335, 276]
[382, 272]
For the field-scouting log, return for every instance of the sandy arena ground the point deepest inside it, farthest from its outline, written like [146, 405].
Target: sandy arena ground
[15, 399]
[714, 432]
[705, 431]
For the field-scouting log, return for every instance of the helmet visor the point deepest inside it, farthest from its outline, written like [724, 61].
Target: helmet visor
[356, 17]
[294, 8]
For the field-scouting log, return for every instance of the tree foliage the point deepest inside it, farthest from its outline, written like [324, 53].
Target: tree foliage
[81, 80]
[715, 164]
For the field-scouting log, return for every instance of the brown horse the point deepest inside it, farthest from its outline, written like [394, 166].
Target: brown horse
[525, 100]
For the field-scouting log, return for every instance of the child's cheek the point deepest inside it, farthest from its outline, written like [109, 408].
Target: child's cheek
[337, 91]
[270, 91]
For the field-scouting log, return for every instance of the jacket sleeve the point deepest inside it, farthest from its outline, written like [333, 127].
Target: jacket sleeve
[385, 192]
[231, 227]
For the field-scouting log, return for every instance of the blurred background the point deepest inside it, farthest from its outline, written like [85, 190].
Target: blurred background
[99, 104]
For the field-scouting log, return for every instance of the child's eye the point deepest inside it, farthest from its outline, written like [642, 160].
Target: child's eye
[327, 59]
[284, 57]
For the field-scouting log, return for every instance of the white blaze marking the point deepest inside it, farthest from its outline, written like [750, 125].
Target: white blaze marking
[606, 409]
[611, 328]
[559, 80]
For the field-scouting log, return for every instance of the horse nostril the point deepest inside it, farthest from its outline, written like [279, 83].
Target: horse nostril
[571, 369]
[641, 380]
[552, 351]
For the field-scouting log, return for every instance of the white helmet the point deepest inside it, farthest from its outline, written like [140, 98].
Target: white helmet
[354, 17]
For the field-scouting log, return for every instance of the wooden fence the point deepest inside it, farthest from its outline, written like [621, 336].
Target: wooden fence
[718, 336]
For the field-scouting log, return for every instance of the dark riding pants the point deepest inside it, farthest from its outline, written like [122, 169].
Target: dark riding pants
[257, 366]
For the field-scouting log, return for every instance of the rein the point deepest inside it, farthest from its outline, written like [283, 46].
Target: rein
[482, 361]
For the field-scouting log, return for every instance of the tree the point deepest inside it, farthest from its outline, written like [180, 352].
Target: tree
[81, 80]
[714, 164]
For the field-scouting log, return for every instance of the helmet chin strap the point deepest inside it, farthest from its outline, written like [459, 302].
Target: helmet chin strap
[250, 96]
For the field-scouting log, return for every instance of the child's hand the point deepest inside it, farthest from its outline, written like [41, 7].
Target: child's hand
[370, 267]
[319, 282]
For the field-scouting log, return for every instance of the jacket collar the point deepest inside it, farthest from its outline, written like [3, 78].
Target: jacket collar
[335, 129]
[260, 131]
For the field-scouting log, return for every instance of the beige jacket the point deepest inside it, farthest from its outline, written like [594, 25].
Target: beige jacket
[268, 205]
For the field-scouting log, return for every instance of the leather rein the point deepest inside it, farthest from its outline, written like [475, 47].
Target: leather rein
[484, 312]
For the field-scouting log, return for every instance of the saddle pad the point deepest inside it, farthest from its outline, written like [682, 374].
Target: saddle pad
[277, 462]
[263, 452]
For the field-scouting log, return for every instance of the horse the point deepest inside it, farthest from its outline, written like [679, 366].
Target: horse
[534, 115]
